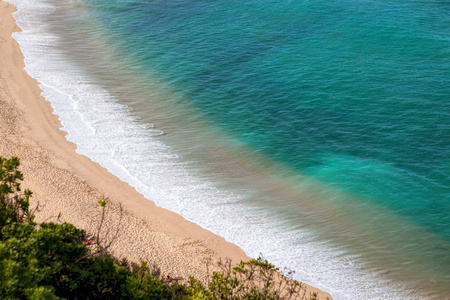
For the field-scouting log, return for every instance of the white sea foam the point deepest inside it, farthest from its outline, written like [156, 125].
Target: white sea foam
[105, 131]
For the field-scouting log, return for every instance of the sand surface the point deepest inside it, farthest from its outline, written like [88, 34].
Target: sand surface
[68, 185]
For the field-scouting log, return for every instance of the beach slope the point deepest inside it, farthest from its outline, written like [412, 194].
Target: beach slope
[68, 185]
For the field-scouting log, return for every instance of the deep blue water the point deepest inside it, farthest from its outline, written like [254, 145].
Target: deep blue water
[329, 119]
[353, 93]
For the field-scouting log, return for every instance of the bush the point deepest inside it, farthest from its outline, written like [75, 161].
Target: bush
[50, 261]
[14, 205]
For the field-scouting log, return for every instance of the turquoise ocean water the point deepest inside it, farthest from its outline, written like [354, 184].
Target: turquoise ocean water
[313, 132]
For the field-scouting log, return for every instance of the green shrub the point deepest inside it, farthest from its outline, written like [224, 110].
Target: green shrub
[50, 261]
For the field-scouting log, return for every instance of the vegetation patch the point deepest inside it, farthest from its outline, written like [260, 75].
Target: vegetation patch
[60, 261]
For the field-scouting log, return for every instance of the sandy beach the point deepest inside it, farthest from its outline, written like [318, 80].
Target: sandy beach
[69, 185]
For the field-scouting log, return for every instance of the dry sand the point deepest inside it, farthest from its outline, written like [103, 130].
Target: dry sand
[68, 184]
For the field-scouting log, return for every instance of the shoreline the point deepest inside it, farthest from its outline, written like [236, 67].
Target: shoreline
[66, 182]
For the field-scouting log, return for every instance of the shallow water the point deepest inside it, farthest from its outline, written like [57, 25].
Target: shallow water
[314, 133]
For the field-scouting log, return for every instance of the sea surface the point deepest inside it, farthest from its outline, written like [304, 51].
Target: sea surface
[313, 133]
